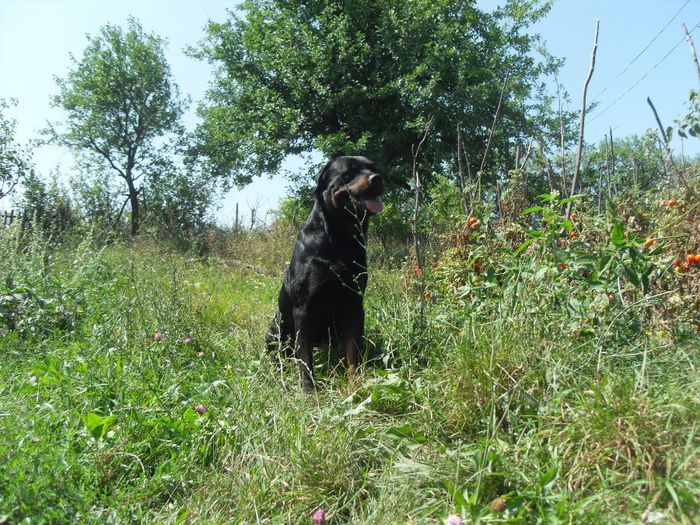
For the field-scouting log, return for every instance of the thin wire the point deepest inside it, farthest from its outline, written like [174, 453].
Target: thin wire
[641, 52]
[645, 75]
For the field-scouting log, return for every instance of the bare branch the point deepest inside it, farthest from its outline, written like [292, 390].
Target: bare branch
[495, 120]
[579, 151]
[692, 50]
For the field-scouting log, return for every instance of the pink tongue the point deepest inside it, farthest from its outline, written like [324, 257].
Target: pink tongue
[374, 206]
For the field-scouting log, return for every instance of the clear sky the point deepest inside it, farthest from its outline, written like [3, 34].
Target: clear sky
[36, 37]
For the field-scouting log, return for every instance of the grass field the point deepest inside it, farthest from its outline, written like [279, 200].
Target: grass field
[507, 407]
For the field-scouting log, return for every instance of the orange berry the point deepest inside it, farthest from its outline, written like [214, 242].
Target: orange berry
[573, 234]
[693, 258]
[649, 242]
[676, 262]
[473, 221]
[419, 272]
[427, 294]
[562, 266]
[672, 202]
[685, 267]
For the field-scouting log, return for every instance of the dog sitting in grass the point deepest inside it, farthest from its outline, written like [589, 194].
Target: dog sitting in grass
[324, 284]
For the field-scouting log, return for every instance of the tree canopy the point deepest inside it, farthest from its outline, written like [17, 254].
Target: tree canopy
[365, 77]
[15, 160]
[121, 101]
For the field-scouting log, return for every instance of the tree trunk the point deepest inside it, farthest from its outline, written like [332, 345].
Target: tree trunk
[134, 200]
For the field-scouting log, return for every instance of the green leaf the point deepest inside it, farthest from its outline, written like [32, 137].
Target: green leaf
[407, 432]
[618, 234]
[524, 245]
[548, 477]
[571, 199]
[98, 425]
[531, 210]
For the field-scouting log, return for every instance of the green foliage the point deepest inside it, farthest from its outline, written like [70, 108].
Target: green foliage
[690, 123]
[15, 160]
[516, 380]
[364, 78]
[120, 100]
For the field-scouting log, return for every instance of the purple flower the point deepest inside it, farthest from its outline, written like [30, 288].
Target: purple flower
[319, 517]
[201, 409]
[454, 519]
[187, 340]
[157, 336]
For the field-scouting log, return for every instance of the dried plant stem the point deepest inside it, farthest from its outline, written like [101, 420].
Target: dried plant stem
[692, 50]
[495, 120]
[582, 122]
[415, 151]
[462, 186]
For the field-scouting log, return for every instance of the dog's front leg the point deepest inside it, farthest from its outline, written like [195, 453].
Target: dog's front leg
[303, 348]
[353, 328]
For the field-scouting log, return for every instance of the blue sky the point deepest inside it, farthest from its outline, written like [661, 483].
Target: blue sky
[36, 37]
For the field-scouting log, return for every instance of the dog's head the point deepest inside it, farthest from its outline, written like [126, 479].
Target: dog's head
[350, 184]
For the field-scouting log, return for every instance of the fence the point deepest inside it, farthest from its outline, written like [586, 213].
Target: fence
[58, 219]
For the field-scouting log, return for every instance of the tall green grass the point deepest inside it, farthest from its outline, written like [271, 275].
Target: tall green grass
[569, 411]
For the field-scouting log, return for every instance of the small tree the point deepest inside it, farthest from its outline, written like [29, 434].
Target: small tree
[120, 99]
[15, 160]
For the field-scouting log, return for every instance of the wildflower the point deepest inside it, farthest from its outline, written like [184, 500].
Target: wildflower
[32, 380]
[157, 336]
[201, 409]
[319, 517]
[454, 519]
[498, 505]
[200, 354]
[187, 340]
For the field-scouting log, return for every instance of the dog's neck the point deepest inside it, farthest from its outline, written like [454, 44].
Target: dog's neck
[341, 224]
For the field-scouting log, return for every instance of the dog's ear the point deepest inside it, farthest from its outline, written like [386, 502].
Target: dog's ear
[322, 176]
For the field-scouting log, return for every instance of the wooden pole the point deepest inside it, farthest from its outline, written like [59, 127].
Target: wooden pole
[579, 151]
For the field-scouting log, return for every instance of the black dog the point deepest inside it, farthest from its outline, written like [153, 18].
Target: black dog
[324, 284]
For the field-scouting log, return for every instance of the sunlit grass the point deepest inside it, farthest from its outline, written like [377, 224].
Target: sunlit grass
[458, 406]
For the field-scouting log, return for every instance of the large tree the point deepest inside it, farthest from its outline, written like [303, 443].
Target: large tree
[122, 104]
[15, 159]
[364, 77]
